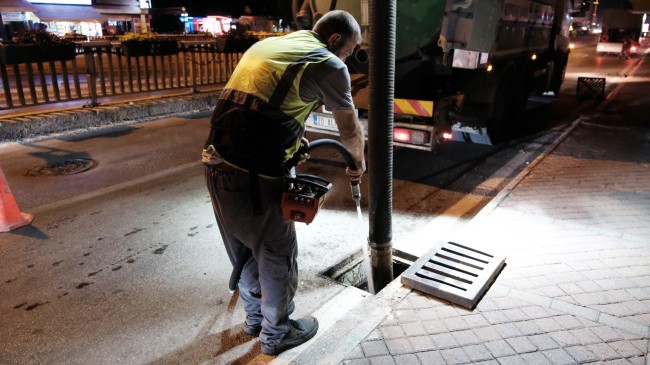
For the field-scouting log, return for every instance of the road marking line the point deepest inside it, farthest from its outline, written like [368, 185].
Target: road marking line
[114, 188]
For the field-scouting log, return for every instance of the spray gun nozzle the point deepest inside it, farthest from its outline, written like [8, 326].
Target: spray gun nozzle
[356, 192]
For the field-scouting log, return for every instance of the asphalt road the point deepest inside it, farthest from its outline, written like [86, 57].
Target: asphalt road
[124, 264]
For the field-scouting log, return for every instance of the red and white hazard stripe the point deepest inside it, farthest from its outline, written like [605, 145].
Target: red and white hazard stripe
[421, 108]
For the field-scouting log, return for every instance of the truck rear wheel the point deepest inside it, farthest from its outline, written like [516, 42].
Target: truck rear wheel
[507, 107]
[558, 72]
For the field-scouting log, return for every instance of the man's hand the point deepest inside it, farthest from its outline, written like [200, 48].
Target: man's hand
[356, 174]
[302, 151]
[352, 138]
[300, 156]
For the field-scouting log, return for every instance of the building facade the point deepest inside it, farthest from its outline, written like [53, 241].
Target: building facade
[93, 18]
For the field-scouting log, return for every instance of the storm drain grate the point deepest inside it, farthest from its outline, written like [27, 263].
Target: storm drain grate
[591, 88]
[454, 272]
[68, 167]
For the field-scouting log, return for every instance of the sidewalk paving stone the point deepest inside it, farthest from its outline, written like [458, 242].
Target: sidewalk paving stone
[455, 356]
[574, 290]
[477, 353]
[576, 287]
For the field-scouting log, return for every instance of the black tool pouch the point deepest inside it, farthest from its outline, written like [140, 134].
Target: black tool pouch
[254, 141]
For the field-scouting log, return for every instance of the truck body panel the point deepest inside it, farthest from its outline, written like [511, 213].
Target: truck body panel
[468, 64]
[617, 25]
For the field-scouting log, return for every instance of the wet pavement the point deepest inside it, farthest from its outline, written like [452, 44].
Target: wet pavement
[575, 289]
[576, 286]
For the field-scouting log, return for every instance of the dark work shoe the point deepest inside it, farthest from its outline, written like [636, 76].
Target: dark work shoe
[252, 329]
[300, 332]
[255, 329]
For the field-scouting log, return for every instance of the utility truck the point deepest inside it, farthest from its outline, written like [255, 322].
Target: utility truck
[620, 26]
[464, 69]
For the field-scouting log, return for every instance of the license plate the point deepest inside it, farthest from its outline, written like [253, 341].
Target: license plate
[322, 121]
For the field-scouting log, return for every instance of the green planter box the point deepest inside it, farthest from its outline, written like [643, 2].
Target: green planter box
[235, 44]
[17, 53]
[60, 52]
[136, 48]
[76, 37]
[165, 47]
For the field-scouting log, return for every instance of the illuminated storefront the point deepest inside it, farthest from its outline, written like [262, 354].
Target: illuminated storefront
[66, 19]
[123, 16]
[215, 24]
[93, 18]
[15, 15]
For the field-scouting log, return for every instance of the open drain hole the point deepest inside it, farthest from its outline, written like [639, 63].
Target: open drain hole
[351, 271]
[67, 167]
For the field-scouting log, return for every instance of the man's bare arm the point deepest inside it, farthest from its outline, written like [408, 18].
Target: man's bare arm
[352, 137]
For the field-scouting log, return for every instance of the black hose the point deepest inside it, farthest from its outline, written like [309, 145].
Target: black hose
[329, 143]
[334, 144]
[381, 69]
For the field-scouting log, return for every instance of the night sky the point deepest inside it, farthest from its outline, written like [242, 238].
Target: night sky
[278, 8]
[233, 8]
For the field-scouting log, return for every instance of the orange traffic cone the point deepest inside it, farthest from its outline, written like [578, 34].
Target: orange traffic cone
[10, 215]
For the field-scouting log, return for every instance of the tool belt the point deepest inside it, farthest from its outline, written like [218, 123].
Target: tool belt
[253, 141]
[250, 140]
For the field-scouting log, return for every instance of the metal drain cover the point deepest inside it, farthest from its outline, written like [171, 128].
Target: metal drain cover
[68, 167]
[454, 272]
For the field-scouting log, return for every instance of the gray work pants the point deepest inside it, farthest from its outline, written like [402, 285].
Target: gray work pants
[269, 278]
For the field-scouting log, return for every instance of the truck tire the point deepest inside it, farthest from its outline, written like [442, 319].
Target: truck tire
[508, 105]
[558, 72]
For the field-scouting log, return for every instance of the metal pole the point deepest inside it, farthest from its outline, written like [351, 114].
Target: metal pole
[3, 34]
[380, 139]
[91, 74]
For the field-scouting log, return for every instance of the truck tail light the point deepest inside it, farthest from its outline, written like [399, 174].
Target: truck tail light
[412, 136]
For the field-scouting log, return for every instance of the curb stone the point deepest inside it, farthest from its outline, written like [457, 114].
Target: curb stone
[36, 124]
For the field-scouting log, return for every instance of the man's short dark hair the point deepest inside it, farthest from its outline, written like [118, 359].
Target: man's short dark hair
[338, 21]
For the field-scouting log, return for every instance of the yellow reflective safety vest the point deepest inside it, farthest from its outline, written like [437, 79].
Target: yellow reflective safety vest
[260, 112]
